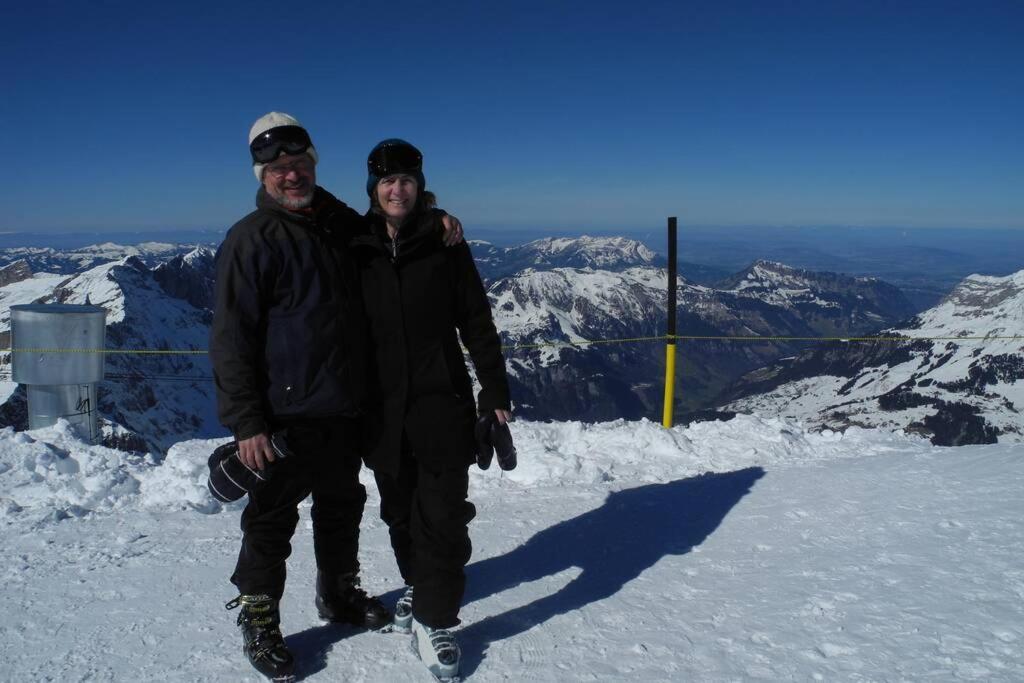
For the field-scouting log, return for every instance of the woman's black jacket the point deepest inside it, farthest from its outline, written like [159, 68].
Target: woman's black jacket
[417, 294]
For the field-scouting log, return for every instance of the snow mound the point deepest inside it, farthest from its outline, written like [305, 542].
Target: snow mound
[180, 480]
[578, 453]
[52, 474]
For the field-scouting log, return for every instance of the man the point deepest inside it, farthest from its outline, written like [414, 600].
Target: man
[287, 346]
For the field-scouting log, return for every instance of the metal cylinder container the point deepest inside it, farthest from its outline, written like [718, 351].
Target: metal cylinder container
[57, 352]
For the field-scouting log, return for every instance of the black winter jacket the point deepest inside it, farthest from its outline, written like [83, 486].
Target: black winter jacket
[420, 297]
[288, 335]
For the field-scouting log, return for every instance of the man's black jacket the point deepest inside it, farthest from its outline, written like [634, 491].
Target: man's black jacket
[288, 334]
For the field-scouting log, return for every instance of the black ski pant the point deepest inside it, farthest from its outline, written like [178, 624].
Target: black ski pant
[428, 519]
[325, 463]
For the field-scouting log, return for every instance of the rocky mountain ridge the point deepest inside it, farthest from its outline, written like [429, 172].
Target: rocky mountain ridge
[547, 314]
[551, 314]
[958, 382]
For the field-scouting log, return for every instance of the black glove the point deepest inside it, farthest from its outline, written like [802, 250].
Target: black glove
[230, 478]
[490, 437]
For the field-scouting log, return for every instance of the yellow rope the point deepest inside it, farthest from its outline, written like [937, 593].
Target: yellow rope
[751, 338]
[140, 352]
[583, 342]
[580, 342]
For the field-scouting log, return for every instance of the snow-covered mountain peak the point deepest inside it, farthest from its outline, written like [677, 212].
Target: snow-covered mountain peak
[198, 255]
[157, 247]
[795, 288]
[113, 248]
[764, 274]
[96, 286]
[189, 276]
[980, 305]
[987, 292]
[72, 261]
[593, 252]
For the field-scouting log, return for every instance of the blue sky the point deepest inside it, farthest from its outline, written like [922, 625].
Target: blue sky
[586, 115]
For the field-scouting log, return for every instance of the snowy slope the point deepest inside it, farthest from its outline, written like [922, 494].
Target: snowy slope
[149, 401]
[37, 286]
[748, 550]
[965, 387]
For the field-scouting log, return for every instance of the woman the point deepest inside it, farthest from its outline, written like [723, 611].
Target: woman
[421, 297]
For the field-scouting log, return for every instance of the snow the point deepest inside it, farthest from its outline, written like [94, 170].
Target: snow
[978, 324]
[598, 252]
[27, 291]
[743, 550]
[781, 285]
[70, 261]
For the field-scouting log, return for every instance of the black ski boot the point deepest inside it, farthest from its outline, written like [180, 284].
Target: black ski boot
[262, 642]
[340, 599]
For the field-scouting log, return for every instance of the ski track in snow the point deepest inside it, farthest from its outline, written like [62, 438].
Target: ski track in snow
[746, 550]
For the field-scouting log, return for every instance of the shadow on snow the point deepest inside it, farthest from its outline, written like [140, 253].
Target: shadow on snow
[611, 545]
[311, 647]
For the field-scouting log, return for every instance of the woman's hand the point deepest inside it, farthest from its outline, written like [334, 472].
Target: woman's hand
[492, 434]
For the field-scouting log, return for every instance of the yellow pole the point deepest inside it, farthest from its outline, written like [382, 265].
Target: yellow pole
[670, 348]
[670, 383]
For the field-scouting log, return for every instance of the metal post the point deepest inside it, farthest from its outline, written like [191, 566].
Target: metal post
[670, 347]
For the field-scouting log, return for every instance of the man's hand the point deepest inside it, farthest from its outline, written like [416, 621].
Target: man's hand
[256, 452]
[452, 234]
[504, 416]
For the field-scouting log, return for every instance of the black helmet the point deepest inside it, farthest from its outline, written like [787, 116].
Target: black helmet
[393, 156]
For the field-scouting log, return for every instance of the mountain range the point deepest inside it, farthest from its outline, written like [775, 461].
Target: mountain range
[582, 321]
[962, 387]
[548, 317]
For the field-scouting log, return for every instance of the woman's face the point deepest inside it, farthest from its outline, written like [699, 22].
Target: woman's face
[396, 195]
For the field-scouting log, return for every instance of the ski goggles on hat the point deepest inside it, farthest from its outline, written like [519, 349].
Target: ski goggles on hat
[391, 158]
[287, 139]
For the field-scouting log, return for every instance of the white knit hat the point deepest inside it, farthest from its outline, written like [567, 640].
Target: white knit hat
[275, 119]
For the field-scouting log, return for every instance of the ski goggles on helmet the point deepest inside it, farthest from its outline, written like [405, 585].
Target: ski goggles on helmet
[287, 139]
[394, 156]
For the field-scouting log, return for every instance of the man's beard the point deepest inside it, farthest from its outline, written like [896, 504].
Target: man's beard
[295, 203]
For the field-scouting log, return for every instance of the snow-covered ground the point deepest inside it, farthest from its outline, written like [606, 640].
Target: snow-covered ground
[746, 550]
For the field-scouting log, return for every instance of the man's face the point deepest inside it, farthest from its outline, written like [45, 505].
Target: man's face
[290, 180]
